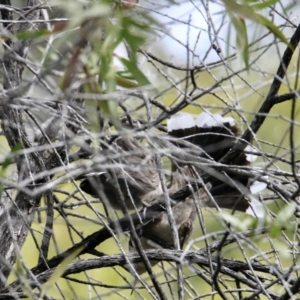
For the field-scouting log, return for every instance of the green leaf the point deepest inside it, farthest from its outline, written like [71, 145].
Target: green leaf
[273, 28]
[281, 221]
[8, 161]
[17, 147]
[285, 214]
[235, 221]
[262, 5]
[238, 12]
[108, 80]
[241, 37]
[25, 35]
[21, 273]
[125, 82]
[59, 271]
[135, 71]
[248, 12]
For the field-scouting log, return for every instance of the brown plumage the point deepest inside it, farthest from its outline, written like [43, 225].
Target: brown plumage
[157, 233]
[137, 176]
[215, 137]
[139, 181]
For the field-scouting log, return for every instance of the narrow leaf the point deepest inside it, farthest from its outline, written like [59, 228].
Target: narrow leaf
[135, 71]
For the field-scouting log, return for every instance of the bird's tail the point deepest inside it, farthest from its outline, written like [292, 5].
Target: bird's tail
[215, 136]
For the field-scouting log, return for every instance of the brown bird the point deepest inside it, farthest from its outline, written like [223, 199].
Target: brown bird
[135, 172]
[215, 136]
[157, 232]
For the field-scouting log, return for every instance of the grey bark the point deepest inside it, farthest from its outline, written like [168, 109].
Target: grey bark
[16, 215]
[15, 221]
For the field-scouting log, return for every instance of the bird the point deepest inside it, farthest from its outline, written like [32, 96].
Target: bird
[156, 232]
[134, 174]
[135, 170]
[215, 135]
